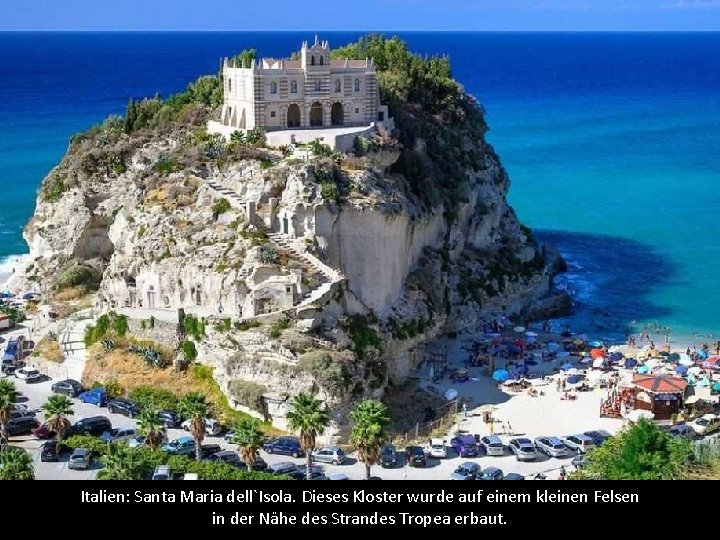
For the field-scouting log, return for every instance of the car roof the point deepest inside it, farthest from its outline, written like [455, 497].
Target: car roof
[522, 440]
[469, 464]
[282, 464]
[333, 448]
[581, 436]
[184, 438]
[493, 438]
[162, 468]
[225, 453]
[491, 470]
[554, 440]
[466, 438]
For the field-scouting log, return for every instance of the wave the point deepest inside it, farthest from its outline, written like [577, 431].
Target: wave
[9, 264]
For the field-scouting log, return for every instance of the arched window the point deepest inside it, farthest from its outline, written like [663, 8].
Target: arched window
[229, 85]
[273, 88]
[357, 85]
[317, 85]
[293, 87]
[338, 85]
[322, 60]
[312, 60]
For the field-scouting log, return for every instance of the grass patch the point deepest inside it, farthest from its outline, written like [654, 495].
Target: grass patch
[279, 326]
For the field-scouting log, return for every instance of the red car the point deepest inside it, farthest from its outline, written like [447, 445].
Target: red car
[43, 432]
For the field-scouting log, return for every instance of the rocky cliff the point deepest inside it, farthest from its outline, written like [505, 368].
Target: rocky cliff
[346, 264]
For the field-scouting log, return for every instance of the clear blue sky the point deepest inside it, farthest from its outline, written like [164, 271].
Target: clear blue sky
[360, 15]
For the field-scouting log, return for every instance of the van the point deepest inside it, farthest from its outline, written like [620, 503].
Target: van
[22, 425]
[119, 435]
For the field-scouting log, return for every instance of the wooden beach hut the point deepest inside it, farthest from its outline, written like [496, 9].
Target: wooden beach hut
[662, 395]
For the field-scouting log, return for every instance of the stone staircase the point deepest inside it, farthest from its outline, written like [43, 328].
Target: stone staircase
[331, 277]
[72, 344]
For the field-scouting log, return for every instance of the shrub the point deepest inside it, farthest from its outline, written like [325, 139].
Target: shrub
[94, 444]
[189, 350]
[78, 275]
[159, 398]
[363, 337]
[248, 393]
[16, 315]
[246, 325]
[330, 374]
[108, 325]
[194, 327]
[219, 207]
[268, 254]
[279, 326]
[166, 166]
[255, 137]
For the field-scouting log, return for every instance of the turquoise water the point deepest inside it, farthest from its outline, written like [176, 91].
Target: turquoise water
[611, 142]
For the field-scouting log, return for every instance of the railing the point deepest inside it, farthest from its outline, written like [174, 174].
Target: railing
[424, 430]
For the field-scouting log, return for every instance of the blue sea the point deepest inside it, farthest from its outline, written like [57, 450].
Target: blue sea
[611, 141]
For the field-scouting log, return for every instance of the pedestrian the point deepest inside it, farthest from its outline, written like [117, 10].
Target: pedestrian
[563, 473]
[465, 410]
[509, 429]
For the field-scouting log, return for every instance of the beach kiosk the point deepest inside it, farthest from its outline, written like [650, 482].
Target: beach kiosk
[662, 395]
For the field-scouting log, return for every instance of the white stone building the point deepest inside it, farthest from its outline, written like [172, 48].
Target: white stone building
[313, 92]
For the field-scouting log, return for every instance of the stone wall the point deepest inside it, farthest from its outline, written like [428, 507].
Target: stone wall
[160, 331]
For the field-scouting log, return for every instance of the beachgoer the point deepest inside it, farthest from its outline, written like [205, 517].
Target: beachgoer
[465, 409]
[509, 429]
[563, 473]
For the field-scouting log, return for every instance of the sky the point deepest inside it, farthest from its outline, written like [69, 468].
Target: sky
[492, 15]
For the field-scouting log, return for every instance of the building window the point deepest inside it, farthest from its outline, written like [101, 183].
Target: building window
[317, 86]
[312, 60]
[322, 61]
[229, 85]
[272, 114]
[357, 111]
[293, 87]
[357, 85]
[273, 88]
[338, 85]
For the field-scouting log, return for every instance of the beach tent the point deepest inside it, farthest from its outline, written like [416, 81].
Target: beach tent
[574, 379]
[616, 357]
[681, 370]
[567, 367]
[630, 363]
[501, 375]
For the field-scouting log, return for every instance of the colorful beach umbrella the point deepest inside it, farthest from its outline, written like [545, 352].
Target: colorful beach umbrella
[642, 370]
[567, 367]
[501, 375]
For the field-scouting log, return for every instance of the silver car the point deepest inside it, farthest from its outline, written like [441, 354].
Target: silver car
[80, 459]
[580, 443]
[523, 448]
[466, 471]
[551, 446]
[329, 454]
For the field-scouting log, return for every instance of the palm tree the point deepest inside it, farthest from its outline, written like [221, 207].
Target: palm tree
[8, 395]
[250, 438]
[151, 426]
[310, 417]
[368, 434]
[122, 463]
[57, 409]
[194, 408]
[16, 464]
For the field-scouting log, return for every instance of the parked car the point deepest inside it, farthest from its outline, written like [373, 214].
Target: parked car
[464, 445]
[227, 456]
[80, 459]
[436, 448]
[598, 436]
[28, 374]
[207, 450]
[492, 445]
[22, 425]
[139, 440]
[21, 407]
[18, 413]
[580, 443]
[329, 454]
[171, 419]
[415, 456]
[119, 435]
[123, 406]
[513, 476]
[212, 426]
[706, 424]
[388, 456]
[9, 365]
[51, 450]
[523, 448]
[12, 350]
[93, 425]
[300, 473]
[68, 387]
[162, 472]
[551, 446]
[491, 473]
[683, 431]
[339, 476]
[259, 465]
[466, 471]
[43, 432]
[96, 396]
[286, 446]
[182, 445]
[282, 467]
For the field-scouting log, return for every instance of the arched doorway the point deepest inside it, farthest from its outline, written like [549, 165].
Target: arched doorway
[316, 114]
[336, 114]
[293, 116]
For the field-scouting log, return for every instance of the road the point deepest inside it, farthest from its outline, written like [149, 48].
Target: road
[35, 394]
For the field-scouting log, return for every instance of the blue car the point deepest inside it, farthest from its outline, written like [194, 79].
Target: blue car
[464, 445]
[182, 445]
[96, 396]
[286, 446]
[11, 350]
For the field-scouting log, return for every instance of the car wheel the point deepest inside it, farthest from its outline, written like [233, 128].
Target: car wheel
[335, 462]
[296, 454]
[186, 428]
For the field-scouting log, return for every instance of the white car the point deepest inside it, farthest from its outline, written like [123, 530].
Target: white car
[580, 443]
[28, 374]
[523, 448]
[436, 448]
[493, 445]
[706, 424]
[212, 426]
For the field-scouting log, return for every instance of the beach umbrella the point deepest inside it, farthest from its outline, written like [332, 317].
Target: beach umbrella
[588, 360]
[715, 387]
[574, 379]
[642, 370]
[514, 349]
[567, 367]
[616, 357]
[686, 361]
[597, 353]
[704, 382]
[695, 370]
[673, 357]
[702, 354]
[595, 343]
[552, 346]
[598, 362]
[530, 363]
[501, 375]
[451, 394]
[521, 370]
[563, 354]
[630, 363]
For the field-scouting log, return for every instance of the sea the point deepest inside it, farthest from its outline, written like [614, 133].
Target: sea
[611, 141]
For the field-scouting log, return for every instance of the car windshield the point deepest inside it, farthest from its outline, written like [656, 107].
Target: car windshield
[438, 446]
[558, 445]
[463, 471]
[703, 421]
